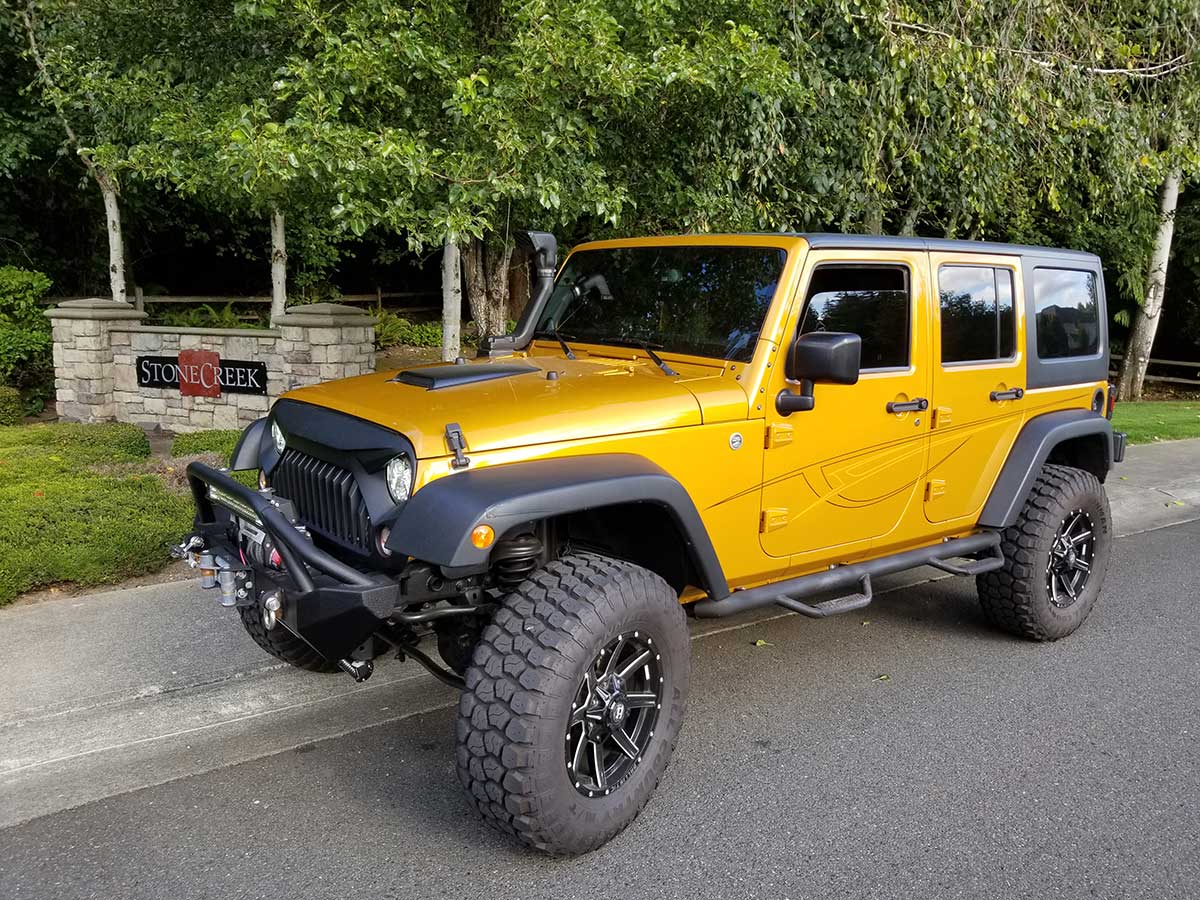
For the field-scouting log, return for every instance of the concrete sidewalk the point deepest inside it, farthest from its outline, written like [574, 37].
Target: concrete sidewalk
[120, 690]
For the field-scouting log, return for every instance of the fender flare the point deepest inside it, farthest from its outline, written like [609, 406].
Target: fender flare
[436, 523]
[1033, 446]
[246, 453]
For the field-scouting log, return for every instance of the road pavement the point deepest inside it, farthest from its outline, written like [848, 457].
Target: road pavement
[148, 749]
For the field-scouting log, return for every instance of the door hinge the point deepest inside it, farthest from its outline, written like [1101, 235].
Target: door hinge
[935, 488]
[778, 435]
[773, 519]
[942, 416]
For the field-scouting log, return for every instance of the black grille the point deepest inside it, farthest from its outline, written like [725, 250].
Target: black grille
[326, 497]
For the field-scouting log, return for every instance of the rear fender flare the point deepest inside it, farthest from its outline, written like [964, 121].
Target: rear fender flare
[1029, 453]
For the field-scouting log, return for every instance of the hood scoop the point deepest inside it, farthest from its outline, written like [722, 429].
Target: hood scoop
[434, 378]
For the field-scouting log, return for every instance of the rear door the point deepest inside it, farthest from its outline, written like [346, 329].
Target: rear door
[978, 379]
[842, 474]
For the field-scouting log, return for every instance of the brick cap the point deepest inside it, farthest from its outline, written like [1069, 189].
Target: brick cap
[94, 308]
[325, 315]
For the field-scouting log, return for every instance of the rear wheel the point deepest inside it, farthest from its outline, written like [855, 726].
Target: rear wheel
[1055, 557]
[573, 703]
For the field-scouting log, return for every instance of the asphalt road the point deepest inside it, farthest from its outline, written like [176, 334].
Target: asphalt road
[980, 766]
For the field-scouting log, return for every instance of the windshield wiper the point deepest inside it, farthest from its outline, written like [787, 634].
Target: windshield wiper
[553, 332]
[642, 345]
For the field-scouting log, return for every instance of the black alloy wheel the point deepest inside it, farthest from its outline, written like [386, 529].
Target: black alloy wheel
[614, 714]
[1071, 556]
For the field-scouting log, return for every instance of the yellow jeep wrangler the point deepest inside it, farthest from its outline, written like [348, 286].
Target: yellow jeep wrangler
[697, 425]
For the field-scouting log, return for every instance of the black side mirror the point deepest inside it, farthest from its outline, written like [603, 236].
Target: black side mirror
[819, 357]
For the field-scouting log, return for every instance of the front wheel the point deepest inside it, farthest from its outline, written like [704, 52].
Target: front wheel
[574, 699]
[1055, 557]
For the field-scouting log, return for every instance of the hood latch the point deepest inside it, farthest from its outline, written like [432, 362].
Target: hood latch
[457, 444]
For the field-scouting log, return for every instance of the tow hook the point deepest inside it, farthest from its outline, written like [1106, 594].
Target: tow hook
[358, 669]
[272, 604]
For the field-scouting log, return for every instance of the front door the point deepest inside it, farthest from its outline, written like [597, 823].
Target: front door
[978, 393]
[843, 474]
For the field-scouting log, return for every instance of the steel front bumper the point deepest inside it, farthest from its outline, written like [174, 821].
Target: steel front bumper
[329, 604]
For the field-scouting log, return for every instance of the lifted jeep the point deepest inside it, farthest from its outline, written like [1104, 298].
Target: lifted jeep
[707, 424]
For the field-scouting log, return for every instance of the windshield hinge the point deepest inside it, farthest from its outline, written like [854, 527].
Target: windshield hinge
[457, 444]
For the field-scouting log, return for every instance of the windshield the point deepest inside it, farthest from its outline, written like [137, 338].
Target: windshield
[701, 300]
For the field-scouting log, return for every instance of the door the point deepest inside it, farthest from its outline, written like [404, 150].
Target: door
[978, 389]
[842, 474]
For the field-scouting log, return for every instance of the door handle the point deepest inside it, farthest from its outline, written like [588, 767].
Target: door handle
[920, 404]
[1010, 394]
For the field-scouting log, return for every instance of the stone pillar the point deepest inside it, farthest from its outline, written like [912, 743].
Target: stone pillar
[325, 341]
[83, 357]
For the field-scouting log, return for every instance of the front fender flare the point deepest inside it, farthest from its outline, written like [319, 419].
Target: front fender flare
[436, 523]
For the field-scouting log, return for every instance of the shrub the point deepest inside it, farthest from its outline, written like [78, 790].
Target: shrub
[20, 293]
[11, 406]
[231, 315]
[26, 361]
[392, 330]
[221, 442]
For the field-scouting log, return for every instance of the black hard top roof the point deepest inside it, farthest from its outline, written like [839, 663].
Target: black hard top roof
[829, 241]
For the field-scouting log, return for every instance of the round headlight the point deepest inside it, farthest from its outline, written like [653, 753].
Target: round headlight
[277, 437]
[399, 478]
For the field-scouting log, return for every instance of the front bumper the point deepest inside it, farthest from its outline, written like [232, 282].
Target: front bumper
[329, 604]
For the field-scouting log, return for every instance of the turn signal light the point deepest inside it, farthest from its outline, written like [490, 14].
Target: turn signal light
[482, 536]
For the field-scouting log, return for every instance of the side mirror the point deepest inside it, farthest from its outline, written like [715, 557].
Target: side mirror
[819, 357]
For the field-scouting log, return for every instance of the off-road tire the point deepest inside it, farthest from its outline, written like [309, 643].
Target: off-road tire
[523, 680]
[1017, 597]
[281, 643]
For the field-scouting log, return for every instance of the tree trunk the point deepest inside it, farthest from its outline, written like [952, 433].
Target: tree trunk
[451, 300]
[278, 265]
[108, 189]
[116, 245]
[1145, 321]
[487, 284]
[873, 220]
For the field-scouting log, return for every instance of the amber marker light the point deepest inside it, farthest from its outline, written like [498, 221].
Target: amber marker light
[482, 536]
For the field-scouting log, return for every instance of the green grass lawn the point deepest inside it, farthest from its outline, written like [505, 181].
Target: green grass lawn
[84, 504]
[1158, 420]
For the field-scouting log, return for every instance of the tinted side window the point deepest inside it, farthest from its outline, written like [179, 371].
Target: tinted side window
[978, 321]
[1067, 307]
[870, 301]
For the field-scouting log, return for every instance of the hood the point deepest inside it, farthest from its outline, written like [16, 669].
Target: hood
[535, 400]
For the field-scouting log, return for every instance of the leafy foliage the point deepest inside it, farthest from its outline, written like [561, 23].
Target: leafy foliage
[25, 335]
[392, 330]
[1031, 121]
[205, 315]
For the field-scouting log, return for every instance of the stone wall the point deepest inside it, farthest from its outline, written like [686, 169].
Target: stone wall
[97, 343]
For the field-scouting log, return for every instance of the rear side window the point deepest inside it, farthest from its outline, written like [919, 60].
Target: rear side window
[1068, 319]
[870, 301]
[978, 321]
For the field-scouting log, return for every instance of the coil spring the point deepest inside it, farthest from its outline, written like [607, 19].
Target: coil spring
[514, 560]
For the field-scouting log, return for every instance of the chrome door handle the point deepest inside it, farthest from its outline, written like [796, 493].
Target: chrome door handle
[1010, 394]
[920, 404]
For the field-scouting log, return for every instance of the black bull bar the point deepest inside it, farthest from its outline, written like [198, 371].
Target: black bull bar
[329, 604]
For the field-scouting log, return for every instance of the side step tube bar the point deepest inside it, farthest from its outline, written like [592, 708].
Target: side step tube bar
[788, 593]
